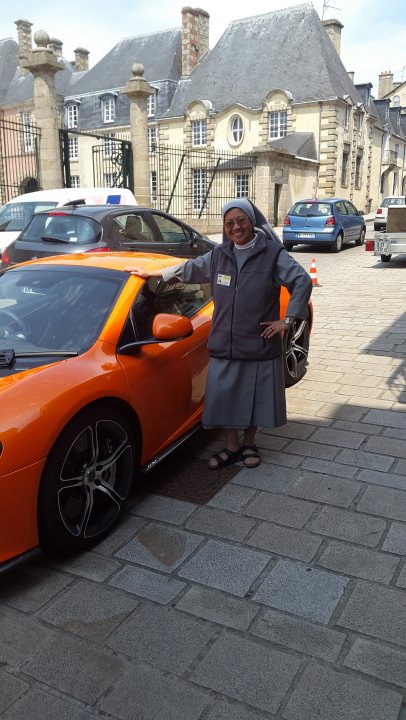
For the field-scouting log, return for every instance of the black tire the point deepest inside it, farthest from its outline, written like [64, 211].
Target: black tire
[337, 244]
[386, 258]
[296, 342]
[288, 246]
[361, 239]
[87, 479]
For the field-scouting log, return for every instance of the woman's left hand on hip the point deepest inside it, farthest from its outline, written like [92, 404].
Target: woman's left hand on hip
[272, 328]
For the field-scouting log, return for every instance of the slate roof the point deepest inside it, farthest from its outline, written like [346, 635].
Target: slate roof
[300, 144]
[287, 49]
[159, 52]
[391, 121]
[21, 87]
[8, 64]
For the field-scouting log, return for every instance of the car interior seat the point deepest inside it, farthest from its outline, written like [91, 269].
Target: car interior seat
[133, 228]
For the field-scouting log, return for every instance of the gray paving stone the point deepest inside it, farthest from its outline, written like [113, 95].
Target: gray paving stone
[358, 561]
[337, 438]
[383, 478]
[401, 581]
[10, 689]
[400, 466]
[89, 610]
[395, 540]
[300, 635]
[387, 418]
[328, 468]
[38, 705]
[302, 590]
[127, 528]
[261, 677]
[21, 636]
[227, 711]
[273, 458]
[214, 521]
[384, 502]
[386, 446]
[280, 509]
[312, 449]
[267, 477]
[342, 412]
[360, 427]
[29, 587]
[218, 607]
[329, 695]
[377, 611]
[345, 525]
[296, 430]
[88, 565]
[326, 489]
[225, 567]
[359, 458]
[75, 668]
[298, 544]
[160, 547]
[146, 694]
[232, 498]
[162, 637]
[270, 442]
[147, 584]
[167, 509]
[380, 661]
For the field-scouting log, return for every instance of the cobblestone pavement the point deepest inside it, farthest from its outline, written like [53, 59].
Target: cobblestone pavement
[285, 595]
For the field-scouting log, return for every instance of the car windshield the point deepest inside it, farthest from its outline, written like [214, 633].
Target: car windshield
[311, 209]
[55, 308]
[58, 225]
[15, 216]
[393, 201]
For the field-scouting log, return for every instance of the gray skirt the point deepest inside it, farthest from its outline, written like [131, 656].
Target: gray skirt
[244, 393]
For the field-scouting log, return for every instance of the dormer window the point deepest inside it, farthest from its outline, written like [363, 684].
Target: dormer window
[72, 113]
[109, 109]
[199, 133]
[151, 105]
[278, 124]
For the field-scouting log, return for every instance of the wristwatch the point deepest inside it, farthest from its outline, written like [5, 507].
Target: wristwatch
[289, 320]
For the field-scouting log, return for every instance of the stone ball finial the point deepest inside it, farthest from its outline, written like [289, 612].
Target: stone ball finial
[41, 39]
[137, 69]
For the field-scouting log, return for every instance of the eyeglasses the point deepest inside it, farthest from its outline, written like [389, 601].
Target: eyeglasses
[241, 221]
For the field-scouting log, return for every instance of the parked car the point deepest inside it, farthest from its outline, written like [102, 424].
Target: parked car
[101, 374]
[16, 214]
[105, 227]
[330, 222]
[382, 212]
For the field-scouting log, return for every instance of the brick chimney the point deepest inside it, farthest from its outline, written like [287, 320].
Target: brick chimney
[81, 59]
[195, 37]
[385, 83]
[333, 28]
[55, 45]
[24, 42]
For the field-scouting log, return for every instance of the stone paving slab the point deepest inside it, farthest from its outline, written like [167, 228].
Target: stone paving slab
[384, 502]
[326, 489]
[350, 526]
[376, 611]
[297, 544]
[232, 498]
[31, 586]
[380, 661]
[280, 509]
[167, 509]
[214, 521]
[218, 607]
[358, 561]
[395, 540]
[160, 548]
[268, 477]
[147, 584]
[10, 689]
[39, 705]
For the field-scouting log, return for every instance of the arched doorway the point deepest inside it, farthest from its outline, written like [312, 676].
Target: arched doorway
[28, 185]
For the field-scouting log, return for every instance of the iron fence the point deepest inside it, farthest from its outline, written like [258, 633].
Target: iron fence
[19, 158]
[97, 160]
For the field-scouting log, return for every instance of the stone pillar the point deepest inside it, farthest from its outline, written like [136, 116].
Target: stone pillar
[43, 64]
[81, 58]
[56, 45]
[137, 91]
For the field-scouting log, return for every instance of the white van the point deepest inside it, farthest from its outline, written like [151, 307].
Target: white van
[16, 214]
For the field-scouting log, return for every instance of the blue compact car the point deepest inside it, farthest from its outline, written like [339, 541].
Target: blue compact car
[329, 222]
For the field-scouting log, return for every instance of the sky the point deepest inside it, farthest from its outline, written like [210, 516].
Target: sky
[373, 38]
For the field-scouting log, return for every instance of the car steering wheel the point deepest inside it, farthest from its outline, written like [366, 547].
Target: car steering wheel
[20, 323]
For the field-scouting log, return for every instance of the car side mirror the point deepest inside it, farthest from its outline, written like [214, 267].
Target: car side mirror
[193, 239]
[360, 212]
[165, 328]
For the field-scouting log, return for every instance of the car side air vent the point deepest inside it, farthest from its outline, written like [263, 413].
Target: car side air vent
[7, 358]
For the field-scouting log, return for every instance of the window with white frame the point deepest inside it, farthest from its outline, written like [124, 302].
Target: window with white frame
[73, 148]
[153, 184]
[344, 168]
[358, 166]
[108, 146]
[151, 105]
[108, 180]
[278, 124]
[347, 114]
[152, 139]
[28, 138]
[199, 132]
[241, 186]
[75, 181]
[109, 109]
[237, 129]
[72, 113]
[199, 187]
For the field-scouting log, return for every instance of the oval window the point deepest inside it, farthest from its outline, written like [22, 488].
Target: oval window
[237, 130]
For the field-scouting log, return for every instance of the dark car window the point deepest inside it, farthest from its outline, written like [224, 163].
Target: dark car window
[157, 296]
[311, 209]
[341, 207]
[351, 209]
[171, 231]
[15, 216]
[130, 228]
[65, 227]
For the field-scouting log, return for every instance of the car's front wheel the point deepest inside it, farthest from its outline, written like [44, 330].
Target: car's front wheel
[288, 246]
[87, 479]
[361, 239]
[296, 342]
[386, 258]
[337, 244]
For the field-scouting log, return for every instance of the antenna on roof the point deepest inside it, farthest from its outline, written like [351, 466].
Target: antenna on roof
[327, 5]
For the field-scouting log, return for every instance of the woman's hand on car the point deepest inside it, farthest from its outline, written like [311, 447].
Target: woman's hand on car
[142, 273]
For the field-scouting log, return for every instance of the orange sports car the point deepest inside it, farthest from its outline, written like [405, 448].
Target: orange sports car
[101, 374]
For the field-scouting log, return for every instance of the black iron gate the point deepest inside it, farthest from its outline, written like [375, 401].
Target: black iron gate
[19, 158]
[105, 163]
[195, 183]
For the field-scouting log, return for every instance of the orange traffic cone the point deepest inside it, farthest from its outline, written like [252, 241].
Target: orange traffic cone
[313, 273]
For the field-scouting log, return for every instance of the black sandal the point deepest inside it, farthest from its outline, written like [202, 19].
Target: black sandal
[248, 452]
[232, 457]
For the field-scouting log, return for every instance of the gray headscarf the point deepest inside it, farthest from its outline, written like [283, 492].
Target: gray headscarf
[255, 215]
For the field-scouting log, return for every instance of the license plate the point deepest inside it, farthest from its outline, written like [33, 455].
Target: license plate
[381, 246]
[306, 235]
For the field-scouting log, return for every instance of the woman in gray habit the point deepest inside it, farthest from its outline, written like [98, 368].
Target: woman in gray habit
[245, 385]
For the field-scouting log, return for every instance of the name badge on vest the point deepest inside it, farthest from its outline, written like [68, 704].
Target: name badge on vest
[224, 280]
